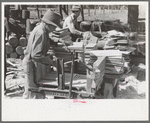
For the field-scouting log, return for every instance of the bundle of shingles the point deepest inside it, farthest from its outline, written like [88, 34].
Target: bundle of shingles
[63, 40]
[114, 66]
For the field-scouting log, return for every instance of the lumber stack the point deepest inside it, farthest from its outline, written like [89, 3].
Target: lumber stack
[122, 45]
[114, 62]
[62, 35]
[15, 47]
[61, 50]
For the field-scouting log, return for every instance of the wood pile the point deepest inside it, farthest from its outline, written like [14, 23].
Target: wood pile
[15, 47]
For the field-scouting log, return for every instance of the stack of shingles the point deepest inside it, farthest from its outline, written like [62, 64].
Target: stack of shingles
[114, 66]
[63, 34]
[116, 40]
[14, 47]
[60, 50]
[122, 45]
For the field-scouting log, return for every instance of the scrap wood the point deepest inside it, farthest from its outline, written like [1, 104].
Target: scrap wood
[99, 53]
[9, 62]
[15, 87]
[10, 93]
[77, 46]
[13, 69]
[10, 72]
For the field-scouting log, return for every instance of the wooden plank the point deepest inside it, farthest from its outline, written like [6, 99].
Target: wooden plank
[100, 63]
[77, 46]
[91, 46]
[100, 53]
[95, 78]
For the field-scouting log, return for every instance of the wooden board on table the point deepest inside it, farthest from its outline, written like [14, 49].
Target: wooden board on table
[100, 63]
[77, 46]
[91, 46]
[99, 53]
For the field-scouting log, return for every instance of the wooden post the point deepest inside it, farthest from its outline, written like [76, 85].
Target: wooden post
[58, 70]
[112, 8]
[67, 9]
[103, 9]
[133, 17]
[88, 10]
[72, 70]
[60, 11]
[99, 9]
[24, 7]
[95, 10]
[63, 74]
[17, 7]
[82, 12]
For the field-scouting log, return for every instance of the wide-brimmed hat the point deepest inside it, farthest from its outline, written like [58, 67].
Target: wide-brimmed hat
[52, 18]
[75, 8]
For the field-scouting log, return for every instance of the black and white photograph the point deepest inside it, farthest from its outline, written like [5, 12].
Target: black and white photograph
[81, 60]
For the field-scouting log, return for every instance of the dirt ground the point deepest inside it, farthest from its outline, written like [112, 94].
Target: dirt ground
[129, 88]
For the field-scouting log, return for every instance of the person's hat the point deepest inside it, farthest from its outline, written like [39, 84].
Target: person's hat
[52, 18]
[75, 8]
